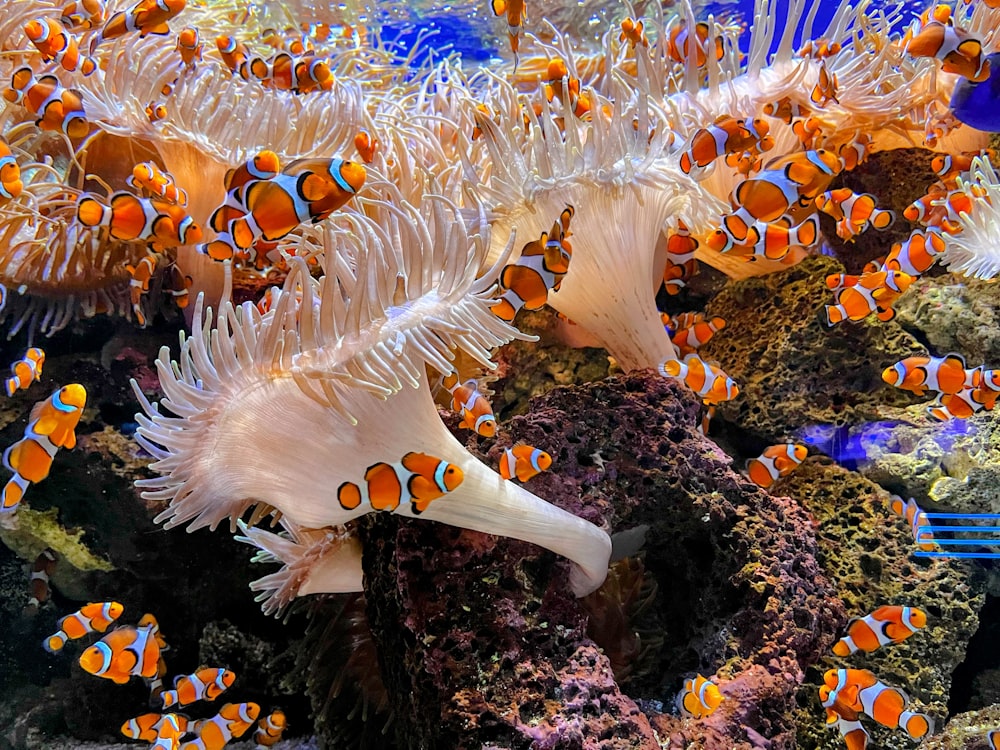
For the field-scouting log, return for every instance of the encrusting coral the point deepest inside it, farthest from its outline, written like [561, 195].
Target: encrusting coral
[346, 367]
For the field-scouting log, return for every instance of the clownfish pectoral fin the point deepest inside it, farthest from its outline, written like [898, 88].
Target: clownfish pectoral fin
[92, 213]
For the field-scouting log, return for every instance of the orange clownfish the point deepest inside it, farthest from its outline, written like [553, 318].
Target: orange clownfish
[859, 296]
[95, 617]
[417, 478]
[690, 330]
[913, 515]
[524, 462]
[773, 240]
[151, 727]
[189, 46]
[706, 380]
[43, 567]
[312, 74]
[262, 166]
[58, 109]
[727, 135]
[127, 651]
[632, 33]
[825, 90]
[993, 736]
[176, 284]
[25, 371]
[853, 212]
[786, 110]
[887, 624]
[698, 698]
[776, 461]
[847, 693]
[278, 70]
[541, 268]
[915, 255]
[161, 184]
[82, 14]
[679, 39]
[516, 12]
[50, 427]
[55, 43]
[232, 721]
[476, 412]
[146, 17]
[234, 54]
[129, 217]
[366, 145]
[156, 111]
[205, 684]
[10, 174]
[139, 277]
[946, 374]
[958, 52]
[270, 728]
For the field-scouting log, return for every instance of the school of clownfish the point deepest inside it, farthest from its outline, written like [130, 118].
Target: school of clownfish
[773, 215]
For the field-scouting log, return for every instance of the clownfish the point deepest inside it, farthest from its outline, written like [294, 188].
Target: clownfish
[56, 43]
[678, 44]
[706, 380]
[847, 693]
[146, 16]
[156, 111]
[176, 284]
[270, 728]
[189, 46]
[859, 296]
[853, 212]
[958, 52]
[946, 374]
[150, 727]
[993, 736]
[43, 567]
[232, 721]
[516, 12]
[915, 255]
[524, 462]
[698, 698]
[82, 14]
[129, 217]
[273, 208]
[773, 240]
[234, 53]
[58, 109]
[127, 651]
[10, 174]
[727, 135]
[25, 371]
[818, 49]
[776, 461]
[681, 264]
[263, 166]
[312, 74]
[417, 478]
[690, 330]
[913, 515]
[50, 427]
[366, 145]
[169, 733]
[278, 70]
[95, 617]
[161, 184]
[825, 90]
[205, 684]
[786, 110]
[541, 268]
[632, 33]
[476, 412]
[889, 624]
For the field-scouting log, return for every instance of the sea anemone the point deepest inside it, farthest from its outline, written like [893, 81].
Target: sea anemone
[336, 382]
[975, 249]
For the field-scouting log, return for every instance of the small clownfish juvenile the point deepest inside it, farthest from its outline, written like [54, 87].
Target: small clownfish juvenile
[417, 478]
[161, 184]
[43, 567]
[516, 12]
[691, 330]
[51, 426]
[234, 54]
[366, 145]
[744, 163]
[632, 33]
[204, 684]
[706, 380]
[524, 462]
[678, 44]
[913, 515]
[851, 692]
[270, 728]
[156, 111]
[825, 90]
[189, 46]
[853, 212]
[807, 130]
[786, 110]
[95, 617]
[958, 52]
[127, 651]
[25, 371]
[471, 404]
[58, 109]
[727, 135]
[818, 49]
[918, 374]
[698, 698]
[540, 269]
[889, 624]
[82, 14]
[676, 275]
[312, 74]
[129, 217]
[860, 296]
[148, 727]
[232, 722]
[146, 17]
[776, 461]
[56, 43]
[10, 174]
[176, 284]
